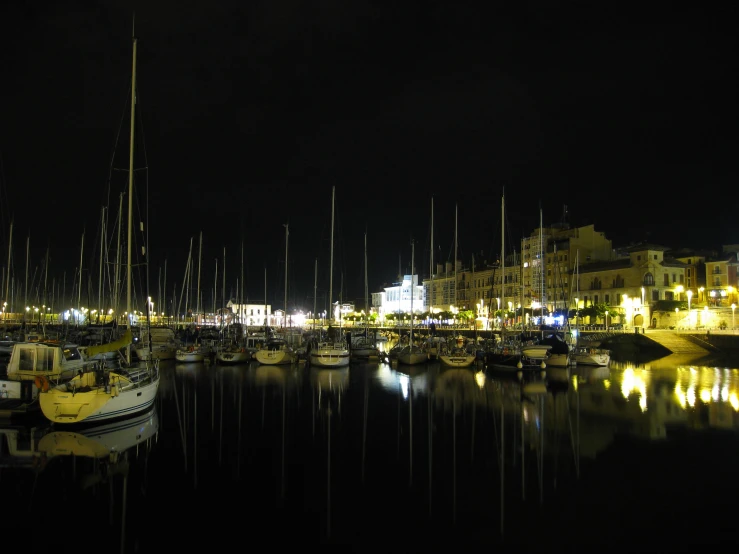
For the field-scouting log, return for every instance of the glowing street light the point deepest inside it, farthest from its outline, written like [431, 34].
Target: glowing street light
[606, 321]
[733, 307]
[705, 316]
[690, 295]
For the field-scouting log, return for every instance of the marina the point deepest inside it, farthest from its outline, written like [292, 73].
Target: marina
[462, 457]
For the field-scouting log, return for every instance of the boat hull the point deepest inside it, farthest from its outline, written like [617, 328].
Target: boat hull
[98, 404]
[275, 357]
[592, 357]
[453, 360]
[233, 356]
[558, 360]
[189, 357]
[157, 353]
[330, 356]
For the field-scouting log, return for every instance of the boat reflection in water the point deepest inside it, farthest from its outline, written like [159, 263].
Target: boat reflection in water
[100, 459]
[466, 457]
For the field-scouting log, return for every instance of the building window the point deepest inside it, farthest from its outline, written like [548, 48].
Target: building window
[648, 280]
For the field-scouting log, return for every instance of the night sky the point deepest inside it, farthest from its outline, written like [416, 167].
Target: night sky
[249, 113]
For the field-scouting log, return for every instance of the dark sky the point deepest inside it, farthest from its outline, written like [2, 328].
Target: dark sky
[250, 112]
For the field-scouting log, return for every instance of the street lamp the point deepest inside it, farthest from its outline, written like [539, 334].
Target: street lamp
[676, 311]
[642, 296]
[690, 295]
[705, 316]
[733, 307]
[606, 321]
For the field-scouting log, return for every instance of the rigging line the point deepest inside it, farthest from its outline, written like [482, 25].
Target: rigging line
[125, 114]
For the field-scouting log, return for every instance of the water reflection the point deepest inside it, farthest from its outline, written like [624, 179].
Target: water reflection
[466, 456]
[85, 471]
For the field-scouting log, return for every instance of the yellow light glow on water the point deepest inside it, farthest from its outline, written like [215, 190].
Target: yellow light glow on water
[480, 379]
[734, 401]
[634, 383]
[691, 396]
[714, 393]
[725, 394]
[607, 384]
[681, 398]
[627, 382]
[404, 381]
[705, 396]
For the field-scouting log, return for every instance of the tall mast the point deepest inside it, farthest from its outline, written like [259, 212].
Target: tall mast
[455, 256]
[287, 234]
[413, 250]
[46, 280]
[331, 260]
[215, 293]
[241, 291]
[502, 255]
[79, 284]
[200, 259]
[315, 290]
[541, 265]
[164, 291]
[117, 270]
[265, 298]
[7, 279]
[366, 288]
[100, 267]
[431, 264]
[130, 197]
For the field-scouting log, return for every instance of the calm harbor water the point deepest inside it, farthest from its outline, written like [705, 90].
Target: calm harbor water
[405, 459]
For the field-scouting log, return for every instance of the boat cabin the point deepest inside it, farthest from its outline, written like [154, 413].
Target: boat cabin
[29, 360]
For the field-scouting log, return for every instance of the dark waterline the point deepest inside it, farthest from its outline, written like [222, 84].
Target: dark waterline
[409, 459]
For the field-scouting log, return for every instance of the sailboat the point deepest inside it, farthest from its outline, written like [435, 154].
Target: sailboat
[584, 354]
[108, 440]
[452, 354]
[333, 350]
[104, 393]
[276, 350]
[412, 354]
[511, 352]
[192, 353]
[364, 347]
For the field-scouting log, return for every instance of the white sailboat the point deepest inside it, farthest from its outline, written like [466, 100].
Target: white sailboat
[332, 351]
[276, 350]
[584, 354]
[364, 347]
[412, 354]
[453, 354]
[102, 393]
